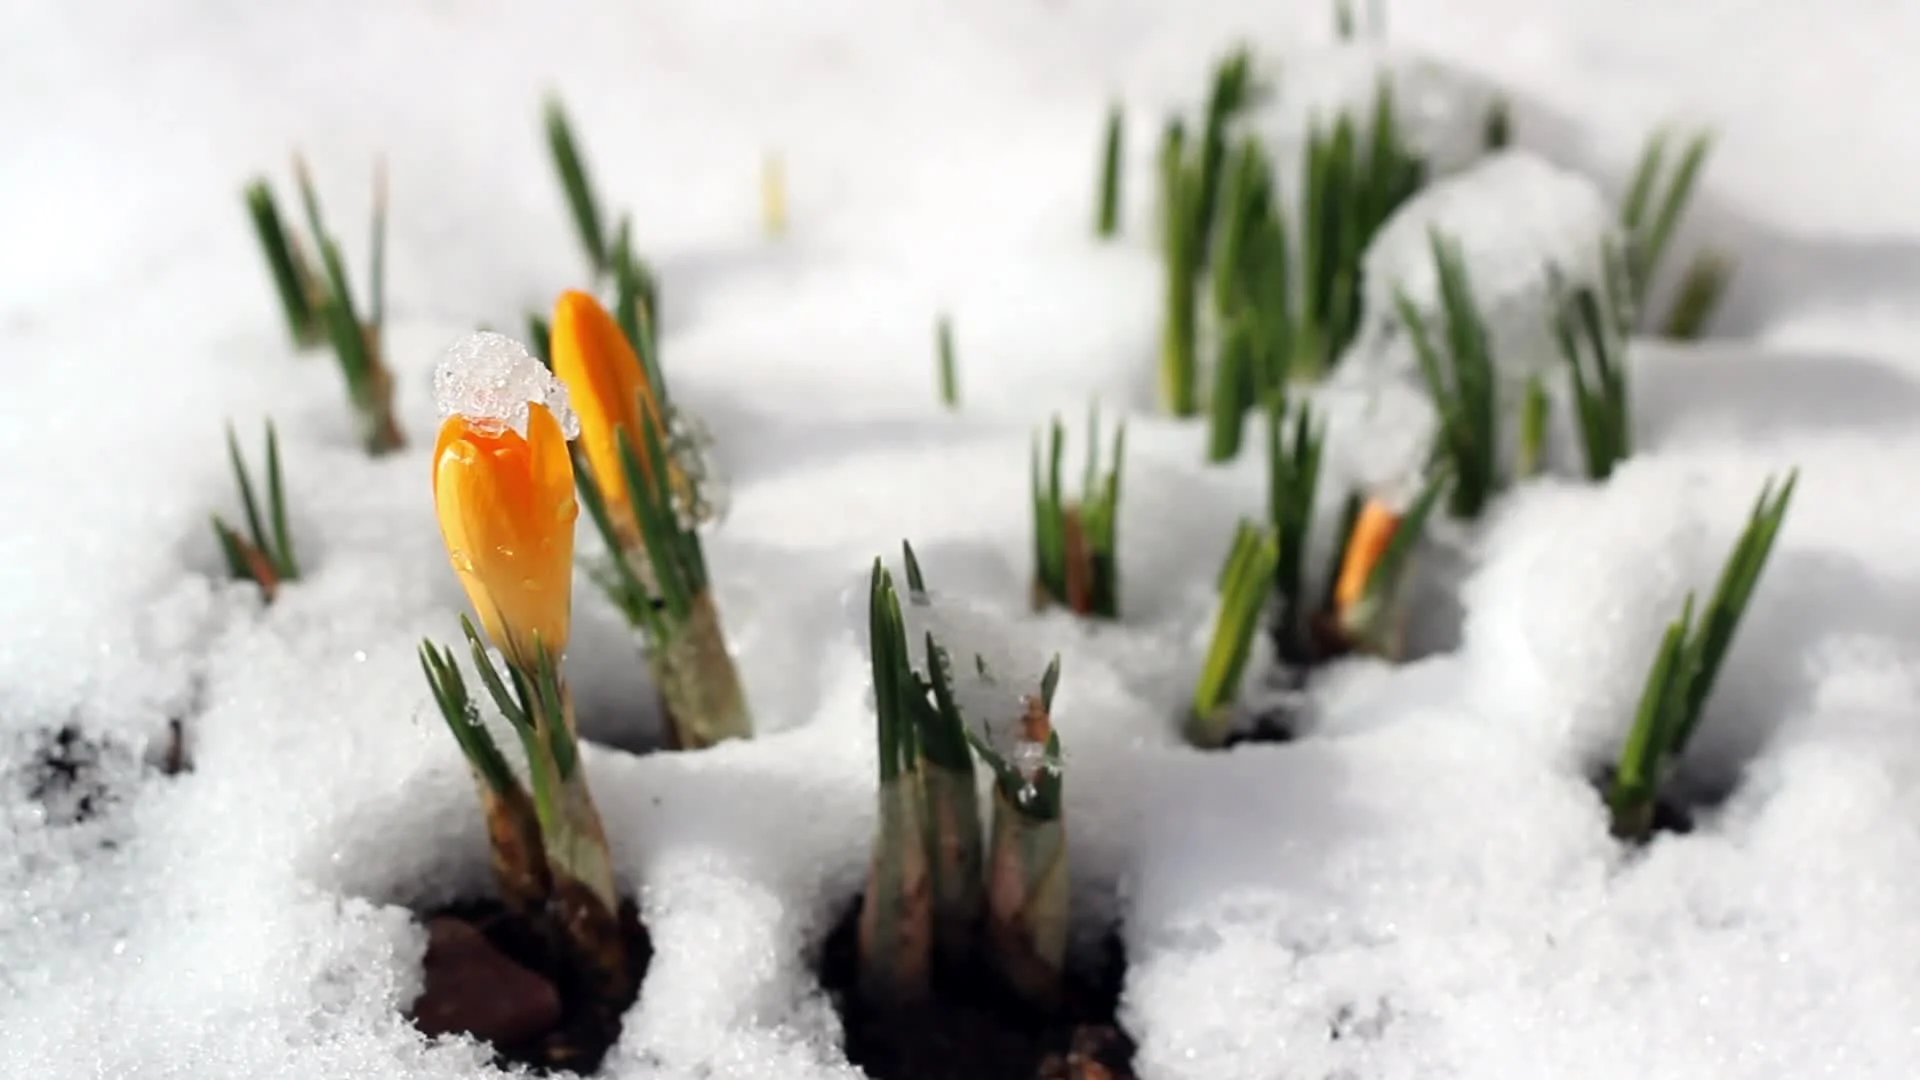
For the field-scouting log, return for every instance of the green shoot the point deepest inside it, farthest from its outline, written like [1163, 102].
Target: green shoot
[1246, 581]
[1701, 289]
[1589, 335]
[549, 846]
[319, 304]
[1535, 410]
[1244, 266]
[1497, 132]
[585, 208]
[1345, 24]
[293, 276]
[513, 825]
[663, 589]
[1076, 561]
[1232, 91]
[1656, 199]
[1179, 223]
[896, 918]
[1352, 186]
[1106, 222]
[1685, 669]
[1459, 372]
[948, 368]
[1293, 482]
[264, 555]
[952, 804]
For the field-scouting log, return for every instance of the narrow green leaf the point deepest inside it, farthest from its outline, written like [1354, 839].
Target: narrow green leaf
[573, 182]
[1107, 221]
[275, 245]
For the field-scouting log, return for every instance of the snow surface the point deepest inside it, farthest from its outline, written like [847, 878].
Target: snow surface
[1422, 888]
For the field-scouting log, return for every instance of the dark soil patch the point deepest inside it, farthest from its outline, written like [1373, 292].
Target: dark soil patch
[1676, 809]
[495, 975]
[974, 1028]
[67, 774]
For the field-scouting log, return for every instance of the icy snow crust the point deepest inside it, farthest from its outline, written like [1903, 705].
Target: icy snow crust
[1421, 888]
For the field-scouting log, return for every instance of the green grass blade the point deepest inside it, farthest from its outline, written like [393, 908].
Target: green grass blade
[581, 203]
[274, 244]
[1731, 594]
[283, 559]
[1107, 221]
[949, 369]
[1701, 289]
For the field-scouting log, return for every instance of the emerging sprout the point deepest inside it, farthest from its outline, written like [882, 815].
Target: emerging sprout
[948, 365]
[1685, 668]
[1106, 222]
[1590, 330]
[931, 894]
[1076, 560]
[319, 304]
[264, 555]
[1245, 582]
[645, 490]
[1190, 191]
[1293, 483]
[1656, 199]
[1459, 372]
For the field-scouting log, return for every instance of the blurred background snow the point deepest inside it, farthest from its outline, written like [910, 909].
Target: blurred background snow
[1423, 889]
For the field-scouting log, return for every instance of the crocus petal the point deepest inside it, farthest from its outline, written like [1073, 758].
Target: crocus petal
[507, 509]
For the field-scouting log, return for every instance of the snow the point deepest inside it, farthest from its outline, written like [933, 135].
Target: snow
[1423, 887]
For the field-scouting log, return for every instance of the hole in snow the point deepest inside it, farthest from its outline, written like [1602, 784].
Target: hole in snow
[500, 978]
[973, 1027]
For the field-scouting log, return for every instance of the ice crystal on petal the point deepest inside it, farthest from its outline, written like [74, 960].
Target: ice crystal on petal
[490, 379]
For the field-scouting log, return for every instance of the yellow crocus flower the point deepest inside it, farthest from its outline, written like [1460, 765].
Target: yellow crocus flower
[608, 387]
[506, 507]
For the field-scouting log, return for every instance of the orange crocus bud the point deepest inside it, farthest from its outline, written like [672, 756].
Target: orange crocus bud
[609, 388]
[507, 509]
[1372, 532]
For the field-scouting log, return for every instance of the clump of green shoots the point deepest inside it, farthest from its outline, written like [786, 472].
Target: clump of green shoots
[1458, 367]
[264, 555]
[1286, 291]
[1353, 184]
[318, 301]
[1190, 182]
[549, 847]
[948, 366]
[1106, 221]
[1076, 542]
[1245, 583]
[1655, 202]
[610, 254]
[1685, 669]
[935, 892]
[1589, 325]
[664, 589]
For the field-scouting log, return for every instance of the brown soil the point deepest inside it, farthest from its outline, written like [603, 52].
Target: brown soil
[520, 988]
[975, 1029]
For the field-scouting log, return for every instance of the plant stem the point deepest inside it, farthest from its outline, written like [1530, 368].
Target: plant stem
[698, 681]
